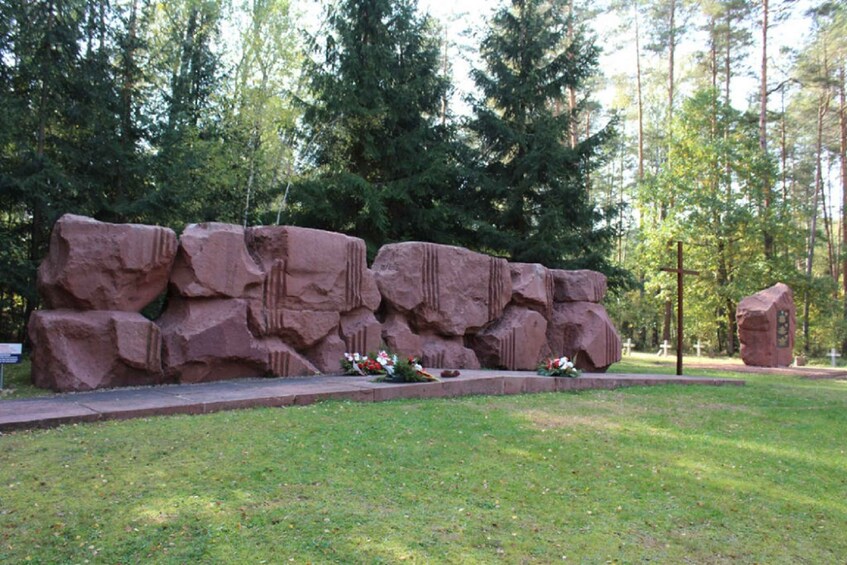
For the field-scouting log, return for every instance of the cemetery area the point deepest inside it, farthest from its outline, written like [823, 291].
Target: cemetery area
[707, 474]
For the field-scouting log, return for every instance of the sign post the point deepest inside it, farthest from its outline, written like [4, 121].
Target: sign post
[10, 353]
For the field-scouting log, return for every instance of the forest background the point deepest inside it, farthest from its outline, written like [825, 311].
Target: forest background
[720, 123]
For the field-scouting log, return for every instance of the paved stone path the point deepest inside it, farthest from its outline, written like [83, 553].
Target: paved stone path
[204, 398]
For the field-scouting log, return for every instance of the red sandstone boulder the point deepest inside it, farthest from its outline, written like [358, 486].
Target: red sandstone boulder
[399, 338]
[93, 265]
[283, 361]
[766, 324]
[299, 328]
[515, 342]
[440, 352]
[443, 289]
[578, 286]
[361, 331]
[76, 351]
[532, 286]
[307, 269]
[327, 354]
[213, 262]
[208, 340]
[584, 332]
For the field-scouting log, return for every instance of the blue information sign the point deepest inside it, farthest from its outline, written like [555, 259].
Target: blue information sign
[10, 353]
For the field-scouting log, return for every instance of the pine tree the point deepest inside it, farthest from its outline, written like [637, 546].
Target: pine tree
[384, 162]
[532, 195]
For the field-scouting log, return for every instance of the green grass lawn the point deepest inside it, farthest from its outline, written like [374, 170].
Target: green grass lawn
[17, 382]
[669, 474]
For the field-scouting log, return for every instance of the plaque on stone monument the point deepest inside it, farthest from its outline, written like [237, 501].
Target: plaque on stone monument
[782, 340]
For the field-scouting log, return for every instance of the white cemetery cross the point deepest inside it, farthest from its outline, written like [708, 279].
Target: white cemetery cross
[663, 349]
[627, 347]
[698, 347]
[833, 354]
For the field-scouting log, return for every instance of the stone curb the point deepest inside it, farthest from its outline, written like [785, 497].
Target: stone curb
[205, 398]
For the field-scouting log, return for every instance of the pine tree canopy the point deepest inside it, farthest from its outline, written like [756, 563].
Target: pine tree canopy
[532, 195]
[384, 156]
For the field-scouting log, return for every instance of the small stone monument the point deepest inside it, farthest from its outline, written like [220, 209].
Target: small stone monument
[766, 324]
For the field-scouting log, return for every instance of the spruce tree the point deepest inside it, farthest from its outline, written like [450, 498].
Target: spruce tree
[532, 198]
[383, 161]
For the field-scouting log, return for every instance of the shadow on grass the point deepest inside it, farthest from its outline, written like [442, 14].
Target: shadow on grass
[667, 473]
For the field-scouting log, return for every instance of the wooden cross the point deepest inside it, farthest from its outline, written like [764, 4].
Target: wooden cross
[627, 347]
[833, 354]
[698, 347]
[679, 274]
[663, 349]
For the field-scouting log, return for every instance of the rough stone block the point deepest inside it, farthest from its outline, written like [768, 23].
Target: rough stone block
[361, 331]
[209, 340]
[284, 361]
[213, 262]
[532, 287]
[397, 335]
[94, 265]
[766, 325]
[584, 332]
[77, 351]
[307, 269]
[514, 342]
[443, 289]
[440, 353]
[578, 286]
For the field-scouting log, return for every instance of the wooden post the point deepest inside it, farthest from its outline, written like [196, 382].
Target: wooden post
[680, 272]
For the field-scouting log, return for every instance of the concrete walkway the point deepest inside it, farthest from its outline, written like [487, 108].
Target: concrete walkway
[204, 398]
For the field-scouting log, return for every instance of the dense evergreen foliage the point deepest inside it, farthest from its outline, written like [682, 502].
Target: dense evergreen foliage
[384, 155]
[532, 194]
[192, 110]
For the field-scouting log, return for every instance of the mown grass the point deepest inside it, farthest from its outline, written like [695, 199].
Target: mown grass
[17, 382]
[668, 474]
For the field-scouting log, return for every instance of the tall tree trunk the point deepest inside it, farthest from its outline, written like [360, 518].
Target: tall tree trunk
[827, 226]
[842, 122]
[571, 90]
[783, 150]
[640, 99]
[666, 328]
[671, 54]
[39, 214]
[813, 223]
[767, 236]
[127, 86]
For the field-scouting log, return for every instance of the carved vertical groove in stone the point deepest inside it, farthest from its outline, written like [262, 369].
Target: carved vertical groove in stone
[159, 245]
[550, 285]
[433, 361]
[508, 357]
[431, 289]
[358, 342]
[280, 363]
[154, 349]
[495, 287]
[355, 268]
[613, 347]
[274, 293]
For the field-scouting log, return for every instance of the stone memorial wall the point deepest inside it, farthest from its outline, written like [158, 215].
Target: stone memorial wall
[289, 301]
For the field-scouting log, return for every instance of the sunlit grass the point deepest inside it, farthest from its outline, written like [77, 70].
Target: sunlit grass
[669, 474]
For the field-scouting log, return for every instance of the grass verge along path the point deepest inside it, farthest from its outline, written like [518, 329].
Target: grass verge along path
[711, 474]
